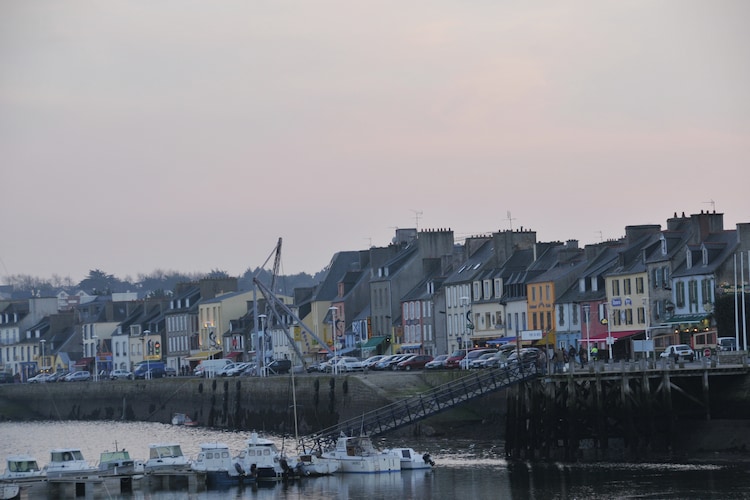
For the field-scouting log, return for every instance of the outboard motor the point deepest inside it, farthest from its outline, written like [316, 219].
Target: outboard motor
[428, 459]
[239, 469]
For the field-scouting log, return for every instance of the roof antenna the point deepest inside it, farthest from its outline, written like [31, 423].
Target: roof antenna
[712, 203]
[601, 236]
[417, 215]
[510, 221]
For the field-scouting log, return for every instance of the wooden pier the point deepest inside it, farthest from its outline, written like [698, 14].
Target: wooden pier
[609, 411]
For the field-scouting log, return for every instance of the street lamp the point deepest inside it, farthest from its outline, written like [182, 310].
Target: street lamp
[465, 303]
[587, 311]
[146, 333]
[41, 343]
[262, 344]
[610, 340]
[333, 337]
[96, 358]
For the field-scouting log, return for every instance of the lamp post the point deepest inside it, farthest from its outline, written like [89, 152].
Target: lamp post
[41, 343]
[465, 303]
[610, 341]
[262, 345]
[587, 311]
[333, 337]
[146, 333]
[96, 358]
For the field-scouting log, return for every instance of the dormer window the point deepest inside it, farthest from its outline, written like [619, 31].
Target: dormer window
[704, 252]
[663, 245]
[689, 258]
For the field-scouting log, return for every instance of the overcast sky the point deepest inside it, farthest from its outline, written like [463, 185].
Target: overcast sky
[190, 135]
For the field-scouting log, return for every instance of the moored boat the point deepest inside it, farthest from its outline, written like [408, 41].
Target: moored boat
[21, 468]
[215, 460]
[183, 419]
[166, 458]
[68, 463]
[262, 460]
[357, 454]
[312, 465]
[116, 463]
[9, 491]
[410, 459]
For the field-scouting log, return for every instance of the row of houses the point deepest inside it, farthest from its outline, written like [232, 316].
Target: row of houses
[424, 292]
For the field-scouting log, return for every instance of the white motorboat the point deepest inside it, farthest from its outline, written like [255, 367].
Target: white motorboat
[69, 463]
[9, 491]
[410, 459]
[215, 460]
[20, 468]
[117, 463]
[166, 458]
[262, 460]
[357, 454]
[312, 465]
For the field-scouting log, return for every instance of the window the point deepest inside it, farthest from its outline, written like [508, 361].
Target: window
[498, 288]
[628, 316]
[615, 288]
[547, 289]
[487, 285]
[560, 315]
[574, 315]
[693, 294]
[656, 282]
[549, 320]
[533, 294]
[679, 294]
[639, 285]
[533, 321]
[477, 289]
[706, 294]
[626, 286]
[641, 315]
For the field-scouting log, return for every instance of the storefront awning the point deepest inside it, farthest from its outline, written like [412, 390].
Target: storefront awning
[684, 319]
[502, 341]
[602, 337]
[201, 355]
[373, 342]
[84, 362]
[411, 346]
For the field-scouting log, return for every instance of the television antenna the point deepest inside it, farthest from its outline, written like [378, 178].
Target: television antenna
[712, 203]
[417, 215]
[510, 220]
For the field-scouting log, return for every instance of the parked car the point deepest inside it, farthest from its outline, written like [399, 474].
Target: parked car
[121, 374]
[234, 370]
[474, 354]
[481, 361]
[346, 364]
[455, 358]
[726, 344]
[679, 351]
[528, 356]
[60, 376]
[497, 360]
[170, 372]
[415, 362]
[437, 363]
[6, 378]
[391, 362]
[81, 376]
[369, 362]
[39, 378]
[278, 366]
[314, 367]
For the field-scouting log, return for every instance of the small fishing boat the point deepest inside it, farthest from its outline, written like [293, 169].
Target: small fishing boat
[262, 460]
[183, 419]
[69, 463]
[9, 491]
[117, 463]
[357, 454]
[410, 459]
[20, 468]
[166, 458]
[312, 465]
[215, 460]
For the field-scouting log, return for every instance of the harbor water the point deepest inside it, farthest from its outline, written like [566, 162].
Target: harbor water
[464, 469]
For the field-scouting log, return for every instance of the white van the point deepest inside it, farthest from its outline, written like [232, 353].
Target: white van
[210, 367]
[727, 343]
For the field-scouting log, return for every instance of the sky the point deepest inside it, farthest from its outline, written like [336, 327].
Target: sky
[188, 136]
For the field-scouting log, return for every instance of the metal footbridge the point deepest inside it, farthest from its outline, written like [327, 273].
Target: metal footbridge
[421, 406]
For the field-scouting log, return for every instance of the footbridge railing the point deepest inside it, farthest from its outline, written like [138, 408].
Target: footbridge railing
[412, 409]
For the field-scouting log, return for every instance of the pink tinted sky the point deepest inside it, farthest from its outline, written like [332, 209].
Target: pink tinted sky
[191, 135]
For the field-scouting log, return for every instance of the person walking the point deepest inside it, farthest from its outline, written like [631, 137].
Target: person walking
[582, 356]
[594, 353]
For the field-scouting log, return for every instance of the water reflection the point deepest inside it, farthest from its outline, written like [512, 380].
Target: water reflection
[465, 470]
